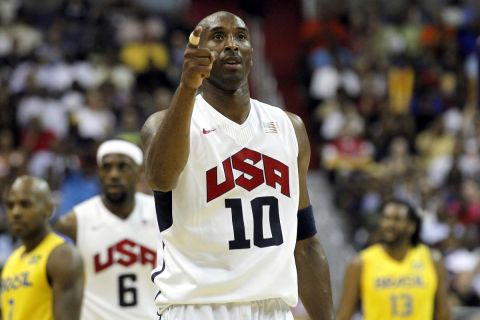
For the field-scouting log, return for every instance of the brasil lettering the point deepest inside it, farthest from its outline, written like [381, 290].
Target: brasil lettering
[270, 171]
[399, 282]
[15, 282]
[125, 253]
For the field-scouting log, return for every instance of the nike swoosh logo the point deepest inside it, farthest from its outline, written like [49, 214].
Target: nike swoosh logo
[205, 131]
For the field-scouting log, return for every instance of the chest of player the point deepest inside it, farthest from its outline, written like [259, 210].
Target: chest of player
[394, 289]
[250, 144]
[25, 273]
[118, 246]
[388, 275]
[223, 163]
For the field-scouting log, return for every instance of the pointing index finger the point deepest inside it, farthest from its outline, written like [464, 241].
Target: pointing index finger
[194, 38]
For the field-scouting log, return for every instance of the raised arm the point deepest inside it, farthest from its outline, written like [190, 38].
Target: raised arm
[65, 271]
[67, 225]
[442, 311]
[166, 135]
[351, 290]
[312, 265]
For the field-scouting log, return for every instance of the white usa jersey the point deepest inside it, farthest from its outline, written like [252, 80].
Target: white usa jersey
[229, 226]
[119, 256]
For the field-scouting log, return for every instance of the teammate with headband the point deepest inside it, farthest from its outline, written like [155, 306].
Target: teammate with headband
[116, 233]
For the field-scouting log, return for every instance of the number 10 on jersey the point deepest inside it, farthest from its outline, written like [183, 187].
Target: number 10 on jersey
[240, 240]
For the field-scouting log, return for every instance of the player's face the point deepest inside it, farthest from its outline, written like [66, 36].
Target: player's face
[395, 225]
[27, 212]
[229, 37]
[118, 176]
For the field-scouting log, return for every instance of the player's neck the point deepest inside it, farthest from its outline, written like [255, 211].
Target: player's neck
[397, 251]
[122, 209]
[33, 240]
[235, 105]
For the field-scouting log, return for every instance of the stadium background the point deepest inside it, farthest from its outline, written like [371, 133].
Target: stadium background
[387, 89]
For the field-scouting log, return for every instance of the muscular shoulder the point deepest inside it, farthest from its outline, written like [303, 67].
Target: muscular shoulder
[154, 119]
[152, 122]
[296, 120]
[67, 225]
[300, 132]
[64, 251]
[354, 268]
[64, 261]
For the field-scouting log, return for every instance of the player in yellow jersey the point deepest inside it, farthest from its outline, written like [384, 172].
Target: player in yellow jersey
[43, 278]
[398, 278]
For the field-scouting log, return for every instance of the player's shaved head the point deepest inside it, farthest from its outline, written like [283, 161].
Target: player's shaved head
[36, 186]
[212, 19]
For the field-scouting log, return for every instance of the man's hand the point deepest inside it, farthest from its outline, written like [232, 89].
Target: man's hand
[197, 62]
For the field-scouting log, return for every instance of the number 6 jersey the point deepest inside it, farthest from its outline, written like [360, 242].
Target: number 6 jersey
[119, 256]
[229, 226]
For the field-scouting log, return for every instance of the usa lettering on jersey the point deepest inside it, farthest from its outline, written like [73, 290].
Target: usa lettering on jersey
[126, 253]
[270, 171]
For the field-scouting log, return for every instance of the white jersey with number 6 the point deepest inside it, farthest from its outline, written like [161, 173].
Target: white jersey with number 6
[119, 256]
[229, 226]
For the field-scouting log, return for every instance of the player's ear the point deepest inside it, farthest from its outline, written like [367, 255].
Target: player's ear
[50, 208]
[251, 59]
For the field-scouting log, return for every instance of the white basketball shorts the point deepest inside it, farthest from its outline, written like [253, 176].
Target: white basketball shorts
[271, 309]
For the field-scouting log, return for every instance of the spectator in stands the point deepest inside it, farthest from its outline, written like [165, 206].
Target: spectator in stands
[94, 121]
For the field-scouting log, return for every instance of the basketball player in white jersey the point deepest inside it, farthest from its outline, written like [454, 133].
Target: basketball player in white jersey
[116, 233]
[229, 175]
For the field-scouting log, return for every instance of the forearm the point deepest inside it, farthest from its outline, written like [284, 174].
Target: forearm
[314, 279]
[351, 290]
[168, 150]
[68, 307]
[65, 269]
[442, 310]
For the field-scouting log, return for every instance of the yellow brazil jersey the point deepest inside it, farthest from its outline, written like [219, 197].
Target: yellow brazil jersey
[392, 289]
[25, 291]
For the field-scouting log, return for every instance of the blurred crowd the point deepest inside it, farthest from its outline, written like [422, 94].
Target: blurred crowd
[393, 99]
[72, 74]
